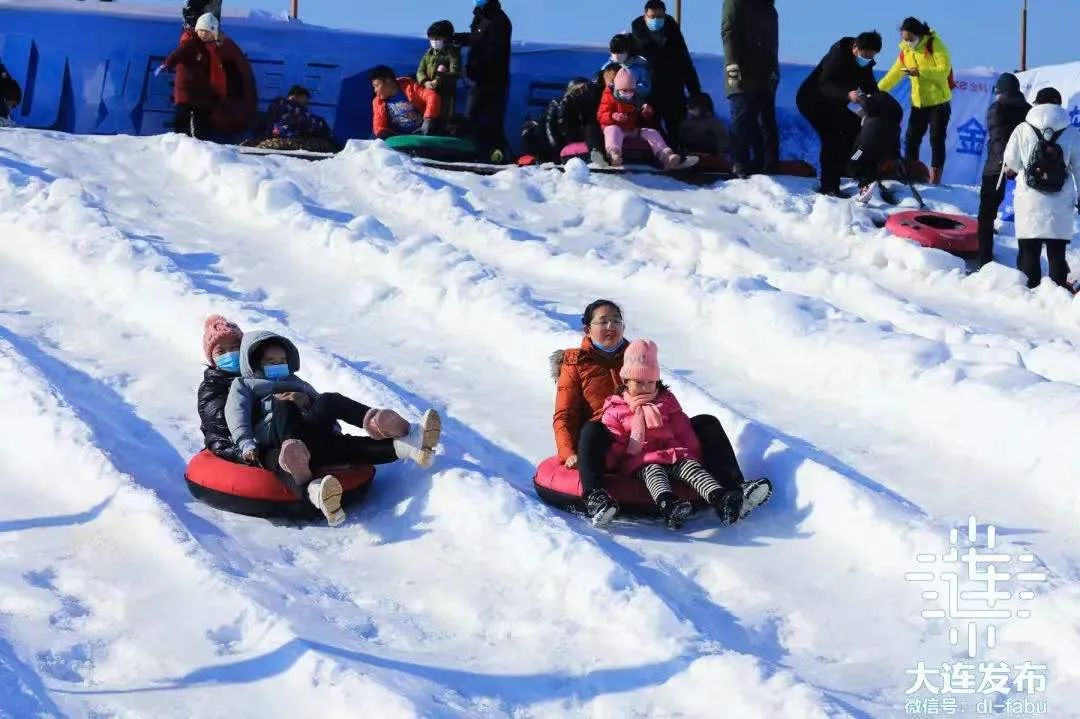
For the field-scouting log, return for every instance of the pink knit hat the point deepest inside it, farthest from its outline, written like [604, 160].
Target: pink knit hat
[217, 330]
[624, 80]
[641, 361]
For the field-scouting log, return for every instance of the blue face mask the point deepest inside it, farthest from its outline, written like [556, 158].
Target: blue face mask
[655, 23]
[863, 61]
[228, 362]
[276, 371]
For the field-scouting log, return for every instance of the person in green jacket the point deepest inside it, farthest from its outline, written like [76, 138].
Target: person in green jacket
[924, 60]
[440, 67]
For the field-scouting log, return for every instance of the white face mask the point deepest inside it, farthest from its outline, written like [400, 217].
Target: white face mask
[438, 44]
[620, 58]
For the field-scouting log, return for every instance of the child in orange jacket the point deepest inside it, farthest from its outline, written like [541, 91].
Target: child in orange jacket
[401, 106]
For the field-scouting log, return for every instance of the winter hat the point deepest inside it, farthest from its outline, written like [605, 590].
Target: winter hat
[1007, 83]
[208, 22]
[641, 361]
[217, 330]
[624, 81]
[1048, 96]
[385, 424]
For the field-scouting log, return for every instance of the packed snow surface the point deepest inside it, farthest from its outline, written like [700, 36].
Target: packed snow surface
[888, 394]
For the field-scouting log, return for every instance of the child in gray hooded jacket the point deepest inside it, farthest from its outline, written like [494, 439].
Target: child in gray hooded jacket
[281, 422]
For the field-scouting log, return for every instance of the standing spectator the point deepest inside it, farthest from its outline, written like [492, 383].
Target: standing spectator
[192, 91]
[924, 59]
[440, 67]
[10, 96]
[751, 33]
[660, 40]
[1009, 110]
[1044, 152]
[401, 106]
[845, 76]
[488, 67]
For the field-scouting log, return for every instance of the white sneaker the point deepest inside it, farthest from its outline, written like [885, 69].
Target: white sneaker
[755, 494]
[419, 444]
[325, 494]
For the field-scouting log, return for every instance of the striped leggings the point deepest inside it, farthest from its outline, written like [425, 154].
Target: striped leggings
[657, 477]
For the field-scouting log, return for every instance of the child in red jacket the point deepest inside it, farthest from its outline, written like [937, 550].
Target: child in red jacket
[402, 106]
[620, 117]
[654, 441]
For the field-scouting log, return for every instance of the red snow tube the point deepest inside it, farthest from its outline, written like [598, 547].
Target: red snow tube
[233, 82]
[957, 234]
[251, 490]
[794, 168]
[561, 487]
[635, 150]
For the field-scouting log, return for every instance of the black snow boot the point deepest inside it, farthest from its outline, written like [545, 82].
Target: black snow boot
[675, 510]
[755, 494]
[600, 507]
[728, 504]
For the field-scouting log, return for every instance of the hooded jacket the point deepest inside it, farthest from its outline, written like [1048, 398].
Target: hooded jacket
[751, 33]
[931, 57]
[673, 441]
[668, 58]
[610, 105]
[248, 409]
[1041, 215]
[1001, 119]
[585, 378]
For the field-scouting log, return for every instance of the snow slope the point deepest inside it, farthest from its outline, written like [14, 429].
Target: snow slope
[888, 395]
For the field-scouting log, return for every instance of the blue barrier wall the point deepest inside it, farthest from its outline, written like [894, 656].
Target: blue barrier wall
[88, 68]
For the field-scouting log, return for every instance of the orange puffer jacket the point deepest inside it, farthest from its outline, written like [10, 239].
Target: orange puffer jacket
[586, 378]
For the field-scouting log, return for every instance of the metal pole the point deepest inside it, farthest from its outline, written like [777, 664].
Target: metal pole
[1023, 36]
[678, 11]
[295, 13]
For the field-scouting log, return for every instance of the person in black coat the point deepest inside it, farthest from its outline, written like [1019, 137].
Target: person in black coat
[488, 67]
[221, 344]
[10, 94]
[1008, 111]
[661, 42]
[751, 33]
[845, 76]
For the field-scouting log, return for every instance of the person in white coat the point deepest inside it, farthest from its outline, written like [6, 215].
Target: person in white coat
[1044, 218]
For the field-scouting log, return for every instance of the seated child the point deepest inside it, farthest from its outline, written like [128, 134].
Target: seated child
[440, 67]
[221, 345]
[281, 422]
[290, 125]
[702, 132]
[621, 116]
[401, 105]
[654, 441]
[10, 96]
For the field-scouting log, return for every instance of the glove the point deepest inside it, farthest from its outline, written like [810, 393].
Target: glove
[734, 74]
[619, 116]
[425, 129]
[160, 69]
[385, 424]
[647, 112]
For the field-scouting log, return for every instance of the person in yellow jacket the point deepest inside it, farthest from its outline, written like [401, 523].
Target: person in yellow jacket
[924, 59]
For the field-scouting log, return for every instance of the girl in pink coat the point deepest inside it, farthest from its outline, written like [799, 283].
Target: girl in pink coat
[654, 441]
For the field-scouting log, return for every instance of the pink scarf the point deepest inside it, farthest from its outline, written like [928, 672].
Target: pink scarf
[646, 416]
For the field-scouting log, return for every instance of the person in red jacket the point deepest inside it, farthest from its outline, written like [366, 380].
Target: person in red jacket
[402, 106]
[621, 116]
[193, 91]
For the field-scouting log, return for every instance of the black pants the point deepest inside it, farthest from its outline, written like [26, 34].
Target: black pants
[192, 121]
[671, 110]
[1029, 261]
[755, 138]
[990, 198]
[837, 129]
[316, 429]
[936, 119]
[486, 110]
[718, 456]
